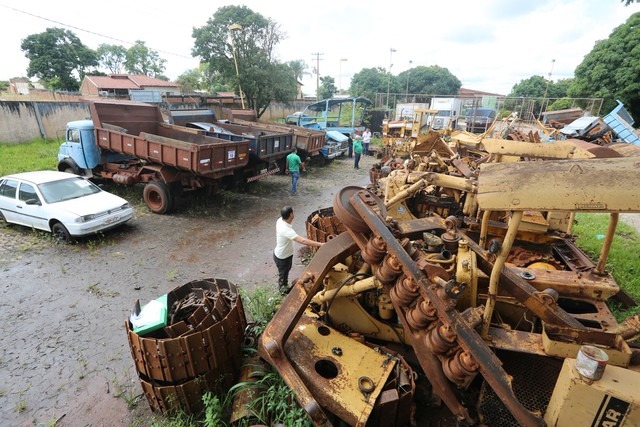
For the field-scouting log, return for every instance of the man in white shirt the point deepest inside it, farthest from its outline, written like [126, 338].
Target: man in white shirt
[283, 253]
[366, 140]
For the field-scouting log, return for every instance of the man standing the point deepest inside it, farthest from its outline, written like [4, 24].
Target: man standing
[283, 253]
[293, 166]
[366, 140]
[357, 150]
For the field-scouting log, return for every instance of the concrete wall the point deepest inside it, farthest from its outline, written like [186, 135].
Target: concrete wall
[22, 121]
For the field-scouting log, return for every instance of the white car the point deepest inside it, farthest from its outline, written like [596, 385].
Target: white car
[67, 205]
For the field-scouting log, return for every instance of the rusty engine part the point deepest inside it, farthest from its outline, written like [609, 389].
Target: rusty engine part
[482, 303]
[198, 350]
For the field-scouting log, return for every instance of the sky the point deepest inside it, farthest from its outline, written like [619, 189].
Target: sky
[489, 45]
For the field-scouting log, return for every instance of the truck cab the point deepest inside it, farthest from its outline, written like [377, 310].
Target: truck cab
[79, 153]
[448, 112]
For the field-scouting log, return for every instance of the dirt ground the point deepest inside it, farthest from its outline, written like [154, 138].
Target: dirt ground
[64, 355]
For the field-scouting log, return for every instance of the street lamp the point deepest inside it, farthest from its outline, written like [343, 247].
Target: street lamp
[391, 50]
[406, 92]
[233, 28]
[340, 76]
[553, 61]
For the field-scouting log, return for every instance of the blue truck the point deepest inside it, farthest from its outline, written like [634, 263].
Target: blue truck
[130, 143]
[336, 116]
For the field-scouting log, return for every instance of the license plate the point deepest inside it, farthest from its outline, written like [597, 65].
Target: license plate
[112, 219]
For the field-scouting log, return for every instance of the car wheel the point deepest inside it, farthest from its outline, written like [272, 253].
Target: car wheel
[157, 196]
[61, 233]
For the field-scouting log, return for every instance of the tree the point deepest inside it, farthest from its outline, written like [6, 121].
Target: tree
[299, 68]
[112, 57]
[58, 58]
[327, 87]
[432, 80]
[369, 81]
[139, 59]
[237, 30]
[612, 69]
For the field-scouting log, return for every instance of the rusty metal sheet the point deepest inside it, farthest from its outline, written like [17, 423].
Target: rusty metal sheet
[331, 364]
[196, 354]
[278, 331]
[559, 185]
[172, 360]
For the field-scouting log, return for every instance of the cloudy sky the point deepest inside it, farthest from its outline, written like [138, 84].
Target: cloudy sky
[490, 45]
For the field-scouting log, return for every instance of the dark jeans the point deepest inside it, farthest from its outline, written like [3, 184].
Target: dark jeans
[357, 161]
[365, 148]
[284, 265]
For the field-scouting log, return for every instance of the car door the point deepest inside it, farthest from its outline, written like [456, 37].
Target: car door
[8, 201]
[29, 208]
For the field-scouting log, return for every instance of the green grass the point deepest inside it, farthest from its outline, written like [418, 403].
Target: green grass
[38, 154]
[624, 258]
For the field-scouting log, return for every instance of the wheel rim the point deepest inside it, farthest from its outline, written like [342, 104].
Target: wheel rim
[154, 199]
[60, 233]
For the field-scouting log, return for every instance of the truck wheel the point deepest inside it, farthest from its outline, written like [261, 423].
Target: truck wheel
[68, 167]
[157, 197]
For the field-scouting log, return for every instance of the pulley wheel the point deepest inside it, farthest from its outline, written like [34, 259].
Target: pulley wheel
[348, 215]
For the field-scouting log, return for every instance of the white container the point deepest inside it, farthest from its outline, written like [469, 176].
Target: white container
[591, 361]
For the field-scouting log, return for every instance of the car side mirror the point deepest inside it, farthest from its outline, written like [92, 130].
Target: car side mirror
[33, 202]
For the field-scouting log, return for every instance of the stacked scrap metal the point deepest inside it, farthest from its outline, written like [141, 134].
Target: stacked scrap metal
[199, 350]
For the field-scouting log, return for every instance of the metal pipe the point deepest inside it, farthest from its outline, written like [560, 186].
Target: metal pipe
[484, 229]
[606, 246]
[509, 238]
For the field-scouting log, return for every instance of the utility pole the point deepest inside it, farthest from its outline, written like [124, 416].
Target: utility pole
[317, 55]
[391, 50]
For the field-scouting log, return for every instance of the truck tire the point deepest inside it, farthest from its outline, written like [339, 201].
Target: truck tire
[69, 166]
[157, 197]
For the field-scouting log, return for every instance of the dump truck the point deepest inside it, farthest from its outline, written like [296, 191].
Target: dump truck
[268, 148]
[309, 142]
[129, 143]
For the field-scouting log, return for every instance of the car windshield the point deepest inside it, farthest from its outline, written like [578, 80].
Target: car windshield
[67, 189]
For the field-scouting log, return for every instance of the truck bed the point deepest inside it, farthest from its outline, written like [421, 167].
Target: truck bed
[309, 140]
[264, 145]
[137, 129]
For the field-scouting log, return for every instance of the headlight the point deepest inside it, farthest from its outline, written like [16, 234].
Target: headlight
[125, 206]
[86, 218]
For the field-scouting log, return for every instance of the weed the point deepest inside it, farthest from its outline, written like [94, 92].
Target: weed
[83, 367]
[125, 390]
[21, 404]
[261, 305]
[94, 289]
[276, 403]
[171, 274]
[622, 262]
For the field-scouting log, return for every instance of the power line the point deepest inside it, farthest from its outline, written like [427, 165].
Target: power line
[90, 32]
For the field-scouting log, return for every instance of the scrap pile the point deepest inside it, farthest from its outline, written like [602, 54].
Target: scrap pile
[195, 347]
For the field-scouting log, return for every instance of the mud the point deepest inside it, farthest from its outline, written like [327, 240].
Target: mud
[64, 354]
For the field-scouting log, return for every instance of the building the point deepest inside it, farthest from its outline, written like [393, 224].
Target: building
[120, 85]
